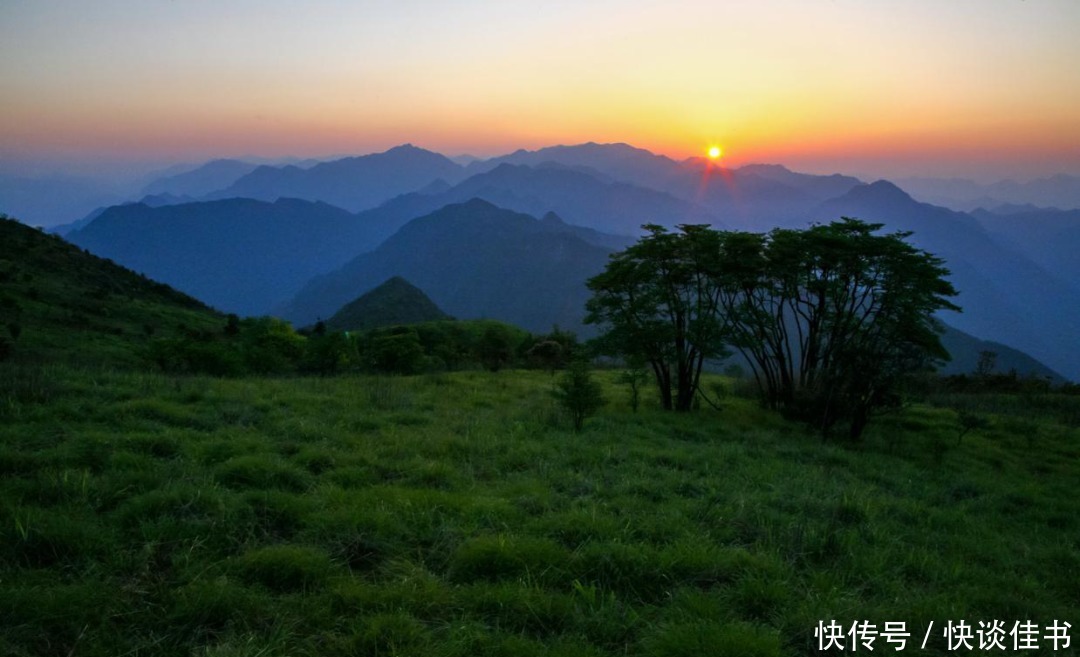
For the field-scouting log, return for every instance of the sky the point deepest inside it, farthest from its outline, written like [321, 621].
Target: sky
[973, 88]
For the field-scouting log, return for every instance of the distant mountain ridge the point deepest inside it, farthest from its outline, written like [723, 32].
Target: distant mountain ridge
[1048, 237]
[238, 255]
[1016, 292]
[475, 261]
[354, 183]
[1007, 297]
[1059, 191]
[200, 181]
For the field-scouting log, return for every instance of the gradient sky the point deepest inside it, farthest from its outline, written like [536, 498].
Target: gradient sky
[979, 88]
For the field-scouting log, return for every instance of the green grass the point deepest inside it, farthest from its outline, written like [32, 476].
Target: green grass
[459, 514]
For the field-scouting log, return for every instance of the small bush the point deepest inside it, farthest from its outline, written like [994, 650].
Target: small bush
[578, 393]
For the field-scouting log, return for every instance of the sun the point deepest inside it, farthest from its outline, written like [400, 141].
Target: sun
[714, 152]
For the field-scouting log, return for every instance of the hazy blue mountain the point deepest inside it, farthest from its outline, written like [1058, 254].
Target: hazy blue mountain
[965, 350]
[815, 186]
[1061, 191]
[583, 201]
[1014, 208]
[205, 248]
[621, 162]
[1048, 237]
[165, 198]
[474, 260]
[748, 197]
[153, 201]
[354, 183]
[239, 255]
[52, 201]
[396, 301]
[1006, 297]
[200, 181]
[579, 197]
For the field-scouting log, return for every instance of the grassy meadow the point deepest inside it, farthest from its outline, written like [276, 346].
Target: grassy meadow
[457, 514]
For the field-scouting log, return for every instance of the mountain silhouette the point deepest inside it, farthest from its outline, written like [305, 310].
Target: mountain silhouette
[239, 255]
[200, 181]
[1006, 297]
[354, 183]
[1048, 237]
[474, 260]
[749, 197]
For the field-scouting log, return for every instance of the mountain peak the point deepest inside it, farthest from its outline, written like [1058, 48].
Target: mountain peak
[881, 191]
[396, 301]
[552, 218]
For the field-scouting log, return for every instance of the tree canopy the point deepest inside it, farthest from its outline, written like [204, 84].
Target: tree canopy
[829, 318]
[659, 300]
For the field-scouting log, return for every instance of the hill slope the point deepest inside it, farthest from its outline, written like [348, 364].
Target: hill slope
[965, 350]
[60, 304]
[397, 301]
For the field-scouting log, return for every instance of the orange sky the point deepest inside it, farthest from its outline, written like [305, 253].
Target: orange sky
[966, 87]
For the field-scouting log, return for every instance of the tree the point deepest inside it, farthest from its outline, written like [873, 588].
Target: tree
[579, 393]
[658, 302]
[395, 350]
[496, 347]
[546, 354]
[831, 319]
[634, 376]
[987, 361]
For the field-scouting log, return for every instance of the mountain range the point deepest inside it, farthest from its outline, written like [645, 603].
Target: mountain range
[353, 183]
[1012, 265]
[474, 260]
[1060, 191]
[238, 255]
[1006, 297]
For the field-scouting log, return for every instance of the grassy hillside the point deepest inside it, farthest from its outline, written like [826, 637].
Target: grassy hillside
[60, 304]
[456, 514]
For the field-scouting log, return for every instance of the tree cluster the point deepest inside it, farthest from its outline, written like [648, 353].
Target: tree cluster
[264, 345]
[830, 319]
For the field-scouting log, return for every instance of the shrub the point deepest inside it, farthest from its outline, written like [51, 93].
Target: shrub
[579, 393]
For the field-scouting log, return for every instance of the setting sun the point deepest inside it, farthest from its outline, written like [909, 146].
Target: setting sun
[714, 152]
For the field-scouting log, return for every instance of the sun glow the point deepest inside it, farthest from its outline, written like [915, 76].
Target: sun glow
[715, 152]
